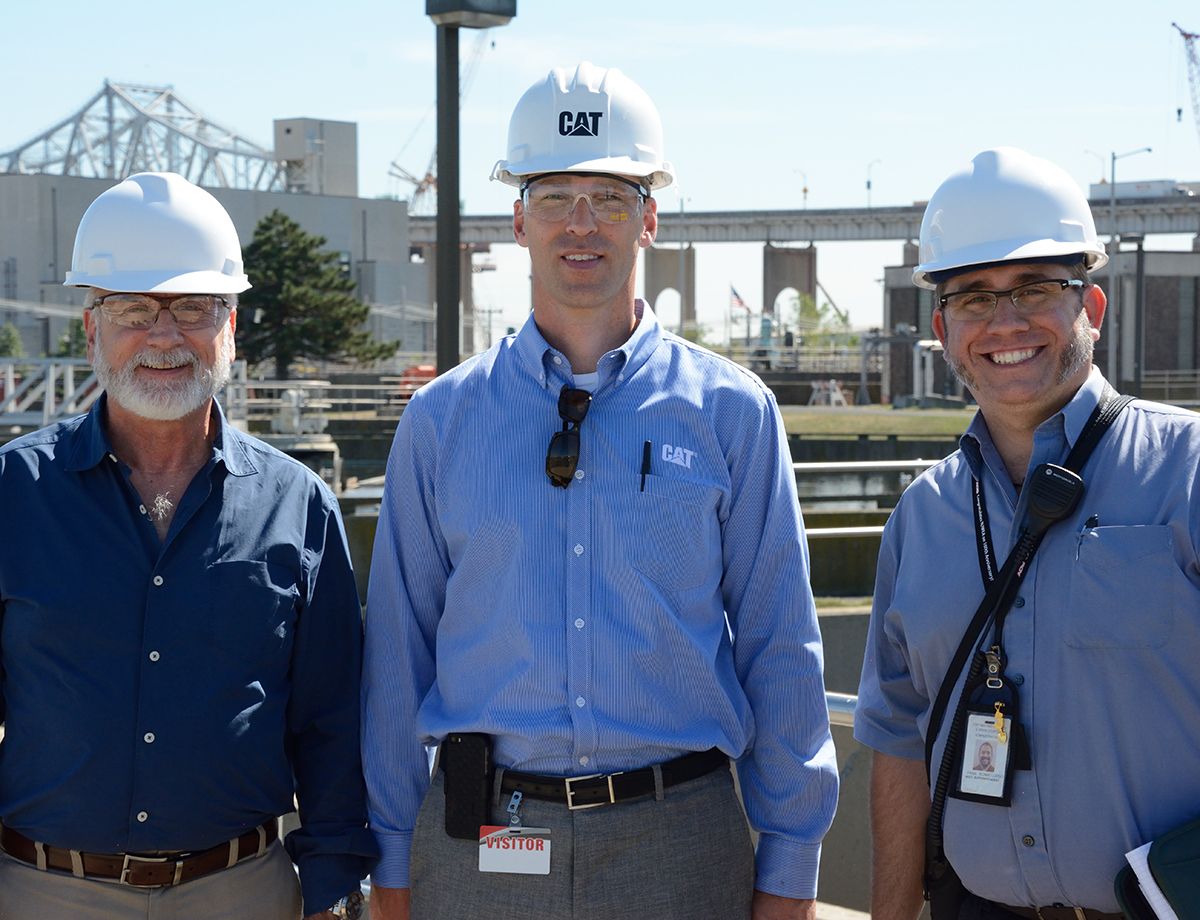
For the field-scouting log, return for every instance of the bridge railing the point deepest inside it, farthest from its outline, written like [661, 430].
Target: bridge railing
[37, 391]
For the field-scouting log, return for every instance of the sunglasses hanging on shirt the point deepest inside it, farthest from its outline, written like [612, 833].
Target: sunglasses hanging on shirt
[562, 456]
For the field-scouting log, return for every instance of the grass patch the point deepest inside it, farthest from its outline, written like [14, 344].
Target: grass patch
[877, 421]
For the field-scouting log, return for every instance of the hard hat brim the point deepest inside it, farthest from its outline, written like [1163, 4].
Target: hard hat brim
[988, 254]
[655, 176]
[202, 282]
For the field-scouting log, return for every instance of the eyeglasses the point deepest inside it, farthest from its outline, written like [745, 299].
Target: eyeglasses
[562, 456]
[613, 202]
[1028, 299]
[140, 311]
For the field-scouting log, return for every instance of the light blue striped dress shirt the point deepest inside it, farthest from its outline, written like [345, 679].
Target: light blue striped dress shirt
[587, 629]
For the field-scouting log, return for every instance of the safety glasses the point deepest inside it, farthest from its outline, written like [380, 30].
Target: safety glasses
[562, 456]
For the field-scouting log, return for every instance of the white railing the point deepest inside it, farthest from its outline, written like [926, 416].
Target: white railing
[37, 391]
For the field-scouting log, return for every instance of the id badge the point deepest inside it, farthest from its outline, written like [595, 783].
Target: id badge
[985, 766]
[517, 850]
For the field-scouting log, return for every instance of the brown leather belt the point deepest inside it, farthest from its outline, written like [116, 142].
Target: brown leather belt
[140, 871]
[1059, 912]
[609, 788]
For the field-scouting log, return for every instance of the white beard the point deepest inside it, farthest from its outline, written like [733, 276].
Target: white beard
[170, 400]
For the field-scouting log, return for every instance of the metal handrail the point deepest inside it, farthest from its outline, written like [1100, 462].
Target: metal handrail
[841, 708]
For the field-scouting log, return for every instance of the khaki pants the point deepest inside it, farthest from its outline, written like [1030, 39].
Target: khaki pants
[263, 888]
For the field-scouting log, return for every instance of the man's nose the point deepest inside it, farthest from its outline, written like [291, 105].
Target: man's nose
[581, 220]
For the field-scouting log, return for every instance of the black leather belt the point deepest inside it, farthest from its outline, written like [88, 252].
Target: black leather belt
[1059, 912]
[609, 788]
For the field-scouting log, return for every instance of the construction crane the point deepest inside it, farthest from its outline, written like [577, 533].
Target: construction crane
[1189, 42]
[423, 199]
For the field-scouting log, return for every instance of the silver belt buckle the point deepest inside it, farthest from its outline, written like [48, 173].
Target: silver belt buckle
[128, 863]
[571, 806]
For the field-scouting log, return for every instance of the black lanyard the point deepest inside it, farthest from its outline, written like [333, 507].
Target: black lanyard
[983, 536]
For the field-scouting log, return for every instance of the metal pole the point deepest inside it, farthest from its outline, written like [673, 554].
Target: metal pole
[449, 291]
[1139, 344]
[1114, 277]
[682, 272]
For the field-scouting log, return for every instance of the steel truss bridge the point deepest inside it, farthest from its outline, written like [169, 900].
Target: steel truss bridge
[126, 128]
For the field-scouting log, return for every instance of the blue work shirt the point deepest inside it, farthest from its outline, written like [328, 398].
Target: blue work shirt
[587, 629]
[172, 695]
[1102, 643]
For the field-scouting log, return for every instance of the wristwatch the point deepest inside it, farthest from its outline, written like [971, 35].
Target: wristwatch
[350, 907]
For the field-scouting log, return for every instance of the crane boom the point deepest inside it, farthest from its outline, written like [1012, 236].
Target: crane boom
[1189, 43]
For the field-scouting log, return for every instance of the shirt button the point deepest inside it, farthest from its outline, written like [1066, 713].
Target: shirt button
[579, 623]
[584, 760]
[143, 817]
[578, 549]
[1019, 602]
[1018, 679]
[580, 701]
[154, 656]
[148, 737]
[620, 378]
[158, 580]
[1028, 841]
[579, 474]
[557, 360]
[142, 509]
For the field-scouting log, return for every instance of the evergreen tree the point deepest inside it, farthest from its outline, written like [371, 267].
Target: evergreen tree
[10, 342]
[301, 304]
[73, 342]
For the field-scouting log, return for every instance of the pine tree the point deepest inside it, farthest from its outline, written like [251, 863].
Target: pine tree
[301, 304]
[10, 342]
[73, 342]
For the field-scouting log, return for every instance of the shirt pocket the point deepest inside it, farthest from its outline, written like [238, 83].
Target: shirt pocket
[675, 533]
[1125, 588]
[252, 609]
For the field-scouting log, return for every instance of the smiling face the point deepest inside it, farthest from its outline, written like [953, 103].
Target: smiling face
[1028, 366]
[580, 262]
[160, 373]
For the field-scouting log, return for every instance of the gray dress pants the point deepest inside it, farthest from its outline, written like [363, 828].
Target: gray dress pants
[685, 855]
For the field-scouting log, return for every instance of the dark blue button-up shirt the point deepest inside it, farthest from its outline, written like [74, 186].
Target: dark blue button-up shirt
[171, 695]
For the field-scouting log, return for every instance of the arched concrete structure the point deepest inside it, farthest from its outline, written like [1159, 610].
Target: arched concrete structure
[788, 268]
[662, 268]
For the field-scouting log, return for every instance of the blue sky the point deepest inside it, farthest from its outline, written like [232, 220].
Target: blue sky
[755, 96]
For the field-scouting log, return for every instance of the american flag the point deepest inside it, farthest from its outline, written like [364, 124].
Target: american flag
[735, 299]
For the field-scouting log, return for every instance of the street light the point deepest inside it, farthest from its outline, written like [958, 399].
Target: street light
[804, 187]
[449, 16]
[1114, 270]
[870, 165]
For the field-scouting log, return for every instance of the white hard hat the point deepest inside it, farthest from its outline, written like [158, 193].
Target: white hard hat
[595, 121]
[1006, 206]
[157, 232]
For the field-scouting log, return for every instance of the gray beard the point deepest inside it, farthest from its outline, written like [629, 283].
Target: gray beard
[164, 401]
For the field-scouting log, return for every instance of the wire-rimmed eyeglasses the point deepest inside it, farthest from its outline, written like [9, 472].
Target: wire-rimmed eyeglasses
[562, 456]
[141, 311]
[1028, 299]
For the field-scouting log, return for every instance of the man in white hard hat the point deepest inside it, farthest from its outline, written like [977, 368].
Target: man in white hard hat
[590, 587]
[180, 637]
[1085, 685]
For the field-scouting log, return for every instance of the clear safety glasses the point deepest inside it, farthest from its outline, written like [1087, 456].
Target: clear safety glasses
[140, 311]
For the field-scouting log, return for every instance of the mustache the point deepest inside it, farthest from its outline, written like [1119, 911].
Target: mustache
[162, 360]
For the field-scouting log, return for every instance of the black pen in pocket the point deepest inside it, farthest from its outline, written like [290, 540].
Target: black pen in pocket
[645, 464]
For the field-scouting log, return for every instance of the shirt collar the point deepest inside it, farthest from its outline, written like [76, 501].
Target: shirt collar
[537, 355]
[88, 443]
[1071, 419]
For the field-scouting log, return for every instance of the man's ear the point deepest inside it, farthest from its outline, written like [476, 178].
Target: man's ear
[649, 223]
[519, 223]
